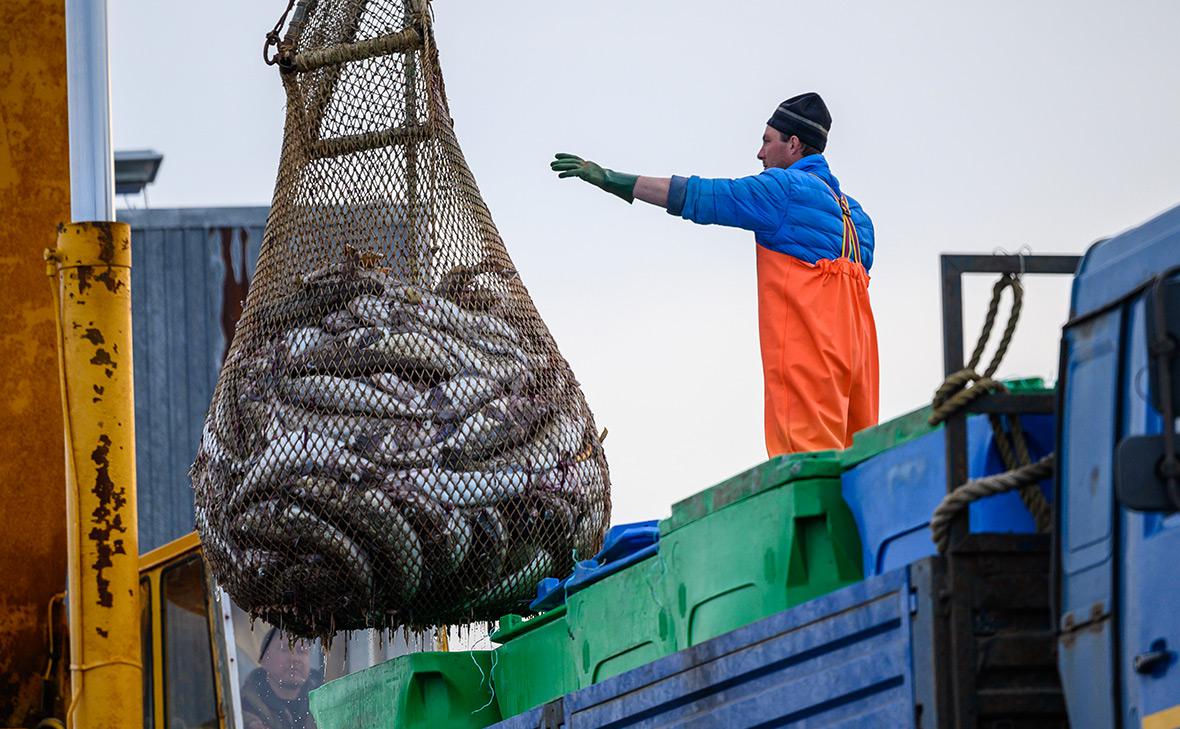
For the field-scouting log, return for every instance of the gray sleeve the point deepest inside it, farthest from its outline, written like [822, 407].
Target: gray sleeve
[676, 193]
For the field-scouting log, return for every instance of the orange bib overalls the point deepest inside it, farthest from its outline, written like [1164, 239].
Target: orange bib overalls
[819, 347]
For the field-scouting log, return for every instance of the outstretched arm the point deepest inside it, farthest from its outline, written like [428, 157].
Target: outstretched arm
[652, 190]
[755, 203]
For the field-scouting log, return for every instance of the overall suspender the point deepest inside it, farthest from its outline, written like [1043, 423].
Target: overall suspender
[850, 245]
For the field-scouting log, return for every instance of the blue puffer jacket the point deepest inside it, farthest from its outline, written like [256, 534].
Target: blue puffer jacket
[789, 211]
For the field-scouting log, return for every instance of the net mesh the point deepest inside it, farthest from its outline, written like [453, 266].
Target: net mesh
[394, 439]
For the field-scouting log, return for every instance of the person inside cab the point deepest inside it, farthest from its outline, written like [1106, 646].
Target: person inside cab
[274, 695]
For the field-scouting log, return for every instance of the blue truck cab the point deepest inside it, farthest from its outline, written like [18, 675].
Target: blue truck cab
[1118, 584]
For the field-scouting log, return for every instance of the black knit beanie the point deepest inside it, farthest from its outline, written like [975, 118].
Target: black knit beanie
[806, 116]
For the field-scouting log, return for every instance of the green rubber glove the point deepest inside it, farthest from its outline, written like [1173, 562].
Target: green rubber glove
[616, 183]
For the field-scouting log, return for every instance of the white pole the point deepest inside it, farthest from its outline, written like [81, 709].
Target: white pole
[92, 164]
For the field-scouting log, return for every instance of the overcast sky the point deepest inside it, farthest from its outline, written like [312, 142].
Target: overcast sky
[959, 129]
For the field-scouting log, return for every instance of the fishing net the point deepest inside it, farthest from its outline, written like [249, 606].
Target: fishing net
[394, 439]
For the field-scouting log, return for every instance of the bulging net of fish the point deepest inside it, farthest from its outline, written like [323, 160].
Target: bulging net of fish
[394, 439]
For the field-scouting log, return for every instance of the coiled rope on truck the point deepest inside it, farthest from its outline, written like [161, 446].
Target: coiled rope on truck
[1021, 478]
[964, 387]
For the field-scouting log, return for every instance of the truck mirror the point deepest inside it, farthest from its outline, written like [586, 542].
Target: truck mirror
[1140, 483]
[1163, 337]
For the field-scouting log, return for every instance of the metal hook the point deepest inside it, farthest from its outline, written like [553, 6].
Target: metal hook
[1021, 252]
[272, 38]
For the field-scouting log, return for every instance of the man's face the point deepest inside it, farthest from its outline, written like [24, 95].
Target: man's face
[287, 665]
[779, 152]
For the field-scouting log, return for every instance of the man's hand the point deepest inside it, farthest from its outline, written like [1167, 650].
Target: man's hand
[616, 183]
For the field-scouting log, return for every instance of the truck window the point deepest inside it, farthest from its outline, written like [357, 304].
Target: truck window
[190, 701]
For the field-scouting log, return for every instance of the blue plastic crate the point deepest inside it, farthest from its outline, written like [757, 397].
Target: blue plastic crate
[893, 494]
[624, 545]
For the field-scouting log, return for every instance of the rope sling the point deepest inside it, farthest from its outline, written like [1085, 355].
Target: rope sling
[964, 387]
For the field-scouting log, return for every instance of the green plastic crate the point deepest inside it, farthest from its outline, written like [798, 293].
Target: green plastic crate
[904, 428]
[621, 622]
[757, 544]
[609, 627]
[535, 661]
[753, 545]
[417, 691]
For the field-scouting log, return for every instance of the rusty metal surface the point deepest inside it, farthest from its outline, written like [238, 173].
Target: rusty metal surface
[190, 273]
[35, 197]
[93, 288]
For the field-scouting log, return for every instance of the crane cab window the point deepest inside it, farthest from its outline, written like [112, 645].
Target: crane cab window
[145, 637]
[190, 699]
[276, 674]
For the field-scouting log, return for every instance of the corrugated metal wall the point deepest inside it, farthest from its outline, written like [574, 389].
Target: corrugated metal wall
[183, 304]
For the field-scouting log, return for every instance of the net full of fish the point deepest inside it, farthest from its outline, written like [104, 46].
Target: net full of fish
[394, 439]
[391, 458]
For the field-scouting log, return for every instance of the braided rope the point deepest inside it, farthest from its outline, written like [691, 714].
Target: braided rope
[1013, 448]
[964, 387]
[338, 146]
[409, 39]
[955, 393]
[958, 500]
[1006, 281]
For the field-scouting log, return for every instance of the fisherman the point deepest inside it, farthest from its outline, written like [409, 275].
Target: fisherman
[814, 249]
[274, 695]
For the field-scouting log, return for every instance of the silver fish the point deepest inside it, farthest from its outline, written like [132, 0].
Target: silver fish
[394, 385]
[347, 354]
[415, 350]
[407, 443]
[268, 524]
[472, 360]
[515, 586]
[492, 537]
[342, 395]
[305, 340]
[348, 429]
[374, 517]
[308, 304]
[295, 454]
[237, 412]
[339, 322]
[557, 442]
[218, 550]
[457, 397]
[463, 489]
[590, 531]
[286, 455]
[214, 456]
[459, 533]
[364, 337]
[439, 313]
[374, 310]
[500, 423]
[446, 533]
[498, 347]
